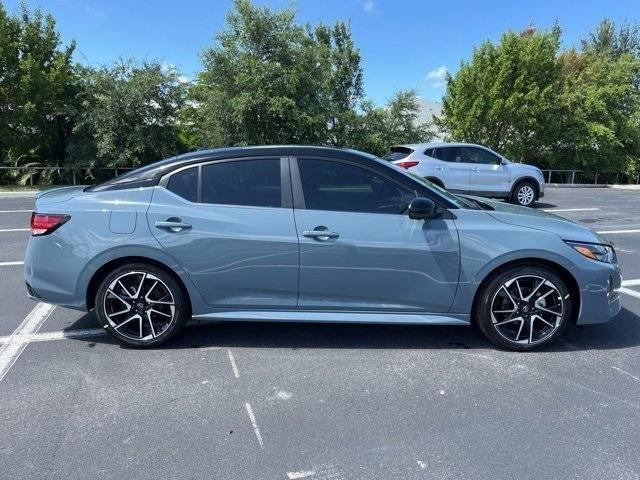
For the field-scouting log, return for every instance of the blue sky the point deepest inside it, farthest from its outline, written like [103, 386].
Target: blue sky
[404, 44]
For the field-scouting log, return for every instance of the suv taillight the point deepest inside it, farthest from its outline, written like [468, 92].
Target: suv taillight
[407, 164]
[45, 223]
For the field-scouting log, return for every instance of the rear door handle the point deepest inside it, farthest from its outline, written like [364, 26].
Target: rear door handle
[173, 225]
[439, 168]
[320, 233]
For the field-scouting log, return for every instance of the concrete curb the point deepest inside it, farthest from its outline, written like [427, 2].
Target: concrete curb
[591, 185]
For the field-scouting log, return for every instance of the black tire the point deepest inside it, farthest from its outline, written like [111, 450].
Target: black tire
[503, 328]
[159, 302]
[525, 193]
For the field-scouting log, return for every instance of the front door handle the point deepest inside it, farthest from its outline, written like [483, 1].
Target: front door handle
[439, 168]
[320, 233]
[475, 170]
[173, 224]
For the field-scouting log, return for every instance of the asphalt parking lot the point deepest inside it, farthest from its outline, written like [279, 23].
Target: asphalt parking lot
[342, 402]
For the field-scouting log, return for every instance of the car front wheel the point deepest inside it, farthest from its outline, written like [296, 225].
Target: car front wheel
[524, 194]
[141, 305]
[524, 308]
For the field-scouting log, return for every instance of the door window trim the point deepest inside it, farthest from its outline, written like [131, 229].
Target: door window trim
[286, 198]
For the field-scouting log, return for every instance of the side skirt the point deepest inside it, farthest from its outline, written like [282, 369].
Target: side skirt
[336, 317]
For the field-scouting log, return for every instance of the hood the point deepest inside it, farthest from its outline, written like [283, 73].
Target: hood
[56, 195]
[540, 220]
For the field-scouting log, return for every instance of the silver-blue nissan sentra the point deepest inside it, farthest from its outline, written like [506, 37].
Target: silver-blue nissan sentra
[311, 234]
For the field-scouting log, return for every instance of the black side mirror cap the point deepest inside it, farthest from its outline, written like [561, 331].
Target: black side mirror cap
[422, 208]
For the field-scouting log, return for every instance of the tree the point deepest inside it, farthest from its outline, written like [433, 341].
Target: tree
[127, 115]
[36, 86]
[505, 97]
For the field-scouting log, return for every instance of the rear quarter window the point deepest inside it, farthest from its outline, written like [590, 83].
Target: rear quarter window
[398, 153]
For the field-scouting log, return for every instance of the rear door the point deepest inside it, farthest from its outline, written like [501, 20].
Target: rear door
[453, 169]
[230, 225]
[358, 248]
[488, 175]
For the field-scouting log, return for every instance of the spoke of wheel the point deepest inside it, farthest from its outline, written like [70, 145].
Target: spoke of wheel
[159, 312]
[146, 297]
[153, 331]
[510, 297]
[535, 290]
[137, 294]
[517, 319]
[140, 317]
[557, 314]
[504, 311]
[126, 321]
[119, 298]
[125, 289]
[540, 318]
[519, 290]
[160, 302]
[120, 312]
[545, 295]
[520, 329]
[531, 330]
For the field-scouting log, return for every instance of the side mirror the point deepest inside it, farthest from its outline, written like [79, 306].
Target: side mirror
[503, 161]
[422, 208]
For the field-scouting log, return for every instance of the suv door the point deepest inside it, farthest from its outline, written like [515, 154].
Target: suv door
[358, 248]
[230, 226]
[453, 169]
[488, 175]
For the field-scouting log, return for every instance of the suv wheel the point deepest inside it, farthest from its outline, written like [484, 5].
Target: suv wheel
[141, 305]
[524, 308]
[524, 194]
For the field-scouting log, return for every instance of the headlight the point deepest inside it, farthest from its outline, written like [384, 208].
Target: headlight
[595, 251]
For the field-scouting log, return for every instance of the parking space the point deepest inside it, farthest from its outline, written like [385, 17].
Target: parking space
[317, 401]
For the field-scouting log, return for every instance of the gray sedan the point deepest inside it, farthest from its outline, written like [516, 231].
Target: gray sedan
[310, 234]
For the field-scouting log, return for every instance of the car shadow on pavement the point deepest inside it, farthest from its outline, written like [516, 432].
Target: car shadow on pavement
[621, 332]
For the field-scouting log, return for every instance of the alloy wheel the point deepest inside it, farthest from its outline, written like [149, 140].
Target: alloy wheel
[139, 305]
[527, 309]
[526, 195]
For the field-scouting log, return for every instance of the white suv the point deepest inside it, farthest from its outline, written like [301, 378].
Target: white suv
[471, 169]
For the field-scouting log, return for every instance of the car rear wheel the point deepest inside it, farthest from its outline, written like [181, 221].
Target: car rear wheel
[524, 194]
[524, 308]
[141, 305]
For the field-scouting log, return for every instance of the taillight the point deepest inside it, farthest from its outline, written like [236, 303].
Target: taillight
[407, 164]
[45, 223]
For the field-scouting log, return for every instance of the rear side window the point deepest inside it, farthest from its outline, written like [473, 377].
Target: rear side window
[342, 187]
[254, 183]
[185, 184]
[449, 154]
[398, 153]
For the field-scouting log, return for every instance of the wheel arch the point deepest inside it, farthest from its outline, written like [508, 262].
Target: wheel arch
[100, 274]
[526, 178]
[566, 275]
[436, 181]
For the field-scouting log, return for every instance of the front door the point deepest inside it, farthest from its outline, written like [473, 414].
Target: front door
[488, 175]
[358, 248]
[236, 238]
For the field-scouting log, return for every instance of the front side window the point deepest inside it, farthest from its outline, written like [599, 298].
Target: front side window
[480, 155]
[449, 154]
[254, 183]
[343, 187]
[185, 184]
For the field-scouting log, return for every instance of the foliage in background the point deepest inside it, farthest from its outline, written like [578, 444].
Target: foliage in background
[558, 109]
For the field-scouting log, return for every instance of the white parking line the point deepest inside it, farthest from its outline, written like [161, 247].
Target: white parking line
[628, 291]
[6, 230]
[254, 424]
[232, 361]
[635, 230]
[58, 335]
[15, 211]
[631, 283]
[300, 474]
[11, 350]
[569, 209]
[10, 264]
[626, 373]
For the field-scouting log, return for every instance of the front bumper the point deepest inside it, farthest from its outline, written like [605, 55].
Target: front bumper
[600, 300]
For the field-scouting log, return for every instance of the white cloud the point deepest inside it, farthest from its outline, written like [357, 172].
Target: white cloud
[94, 12]
[437, 77]
[368, 5]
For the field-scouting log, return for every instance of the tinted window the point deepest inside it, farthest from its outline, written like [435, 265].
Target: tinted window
[479, 155]
[338, 186]
[244, 182]
[398, 153]
[449, 154]
[429, 152]
[185, 184]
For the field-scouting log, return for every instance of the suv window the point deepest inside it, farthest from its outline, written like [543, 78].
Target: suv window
[480, 155]
[337, 186]
[398, 153]
[449, 154]
[243, 182]
[185, 184]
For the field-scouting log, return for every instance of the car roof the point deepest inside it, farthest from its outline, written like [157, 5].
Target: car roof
[151, 173]
[421, 146]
